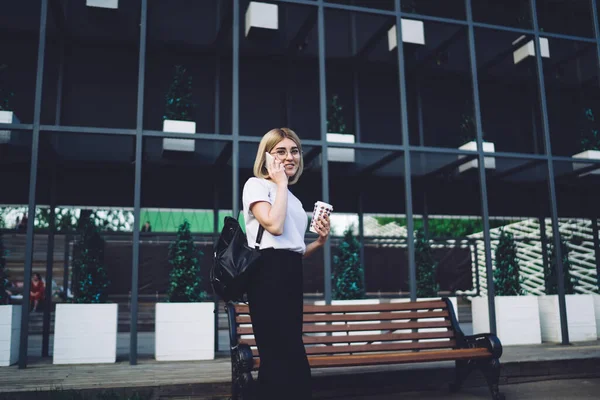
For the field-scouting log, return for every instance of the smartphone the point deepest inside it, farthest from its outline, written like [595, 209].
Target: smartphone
[270, 159]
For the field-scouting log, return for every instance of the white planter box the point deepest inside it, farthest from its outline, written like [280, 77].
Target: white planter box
[170, 125]
[261, 17]
[517, 319]
[596, 298]
[580, 316]
[85, 333]
[185, 331]
[489, 162]
[412, 32]
[528, 49]
[10, 330]
[337, 154]
[589, 155]
[112, 4]
[7, 117]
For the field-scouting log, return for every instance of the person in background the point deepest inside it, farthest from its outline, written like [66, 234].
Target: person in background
[147, 227]
[36, 293]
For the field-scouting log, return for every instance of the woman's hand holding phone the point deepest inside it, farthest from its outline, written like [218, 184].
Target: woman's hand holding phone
[276, 169]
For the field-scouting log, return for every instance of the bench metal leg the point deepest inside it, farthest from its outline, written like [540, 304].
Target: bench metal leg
[463, 369]
[241, 366]
[491, 371]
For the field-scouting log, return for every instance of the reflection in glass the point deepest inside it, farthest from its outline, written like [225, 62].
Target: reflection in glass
[571, 77]
[508, 90]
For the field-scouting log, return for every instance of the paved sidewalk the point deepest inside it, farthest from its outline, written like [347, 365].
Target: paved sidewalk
[520, 364]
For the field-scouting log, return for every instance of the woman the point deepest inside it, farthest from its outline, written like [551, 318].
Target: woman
[36, 292]
[275, 294]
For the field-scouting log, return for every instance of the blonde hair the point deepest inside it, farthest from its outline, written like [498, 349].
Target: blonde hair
[268, 143]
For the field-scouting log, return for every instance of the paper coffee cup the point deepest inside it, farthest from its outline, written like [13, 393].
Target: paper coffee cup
[321, 209]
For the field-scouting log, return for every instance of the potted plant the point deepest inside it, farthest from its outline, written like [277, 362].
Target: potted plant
[590, 141]
[7, 115]
[184, 325]
[426, 273]
[517, 316]
[581, 319]
[468, 138]
[348, 274]
[179, 109]
[86, 329]
[337, 132]
[10, 315]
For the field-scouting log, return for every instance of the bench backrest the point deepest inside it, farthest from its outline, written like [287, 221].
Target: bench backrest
[356, 328]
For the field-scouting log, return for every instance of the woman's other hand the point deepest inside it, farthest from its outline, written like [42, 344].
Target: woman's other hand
[323, 227]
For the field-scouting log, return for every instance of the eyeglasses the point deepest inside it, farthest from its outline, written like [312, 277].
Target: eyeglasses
[282, 153]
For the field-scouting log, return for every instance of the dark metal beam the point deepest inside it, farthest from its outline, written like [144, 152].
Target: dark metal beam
[562, 304]
[324, 154]
[381, 163]
[576, 173]
[311, 155]
[225, 24]
[412, 269]
[481, 171]
[299, 40]
[434, 52]
[23, 339]
[516, 170]
[369, 46]
[225, 155]
[49, 267]
[60, 17]
[137, 191]
[449, 167]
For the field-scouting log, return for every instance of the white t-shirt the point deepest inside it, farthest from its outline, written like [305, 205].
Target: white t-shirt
[296, 219]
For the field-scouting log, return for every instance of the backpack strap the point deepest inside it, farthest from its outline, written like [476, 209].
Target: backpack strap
[259, 236]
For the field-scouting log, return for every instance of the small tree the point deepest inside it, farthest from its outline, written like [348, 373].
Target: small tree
[426, 266]
[89, 277]
[551, 274]
[3, 272]
[590, 131]
[507, 280]
[335, 116]
[348, 274]
[184, 257]
[5, 94]
[178, 100]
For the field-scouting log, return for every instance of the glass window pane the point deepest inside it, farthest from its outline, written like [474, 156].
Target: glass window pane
[572, 17]
[508, 91]
[185, 76]
[363, 100]
[573, 98]
[514, 13]
[98, 69]
[438, 77]
[18, 67]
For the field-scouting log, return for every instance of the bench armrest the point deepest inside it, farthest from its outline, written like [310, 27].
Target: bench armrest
[485, 340]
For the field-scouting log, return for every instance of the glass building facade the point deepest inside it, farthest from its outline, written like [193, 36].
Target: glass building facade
[476, 108]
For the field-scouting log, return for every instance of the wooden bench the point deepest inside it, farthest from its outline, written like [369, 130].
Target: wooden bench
[373, 334]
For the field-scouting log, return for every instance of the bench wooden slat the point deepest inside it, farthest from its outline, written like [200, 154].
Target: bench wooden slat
[378, 316]
[375, 348]
[418, 305]
[393, 358]
[385, 326]
[386, 337]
